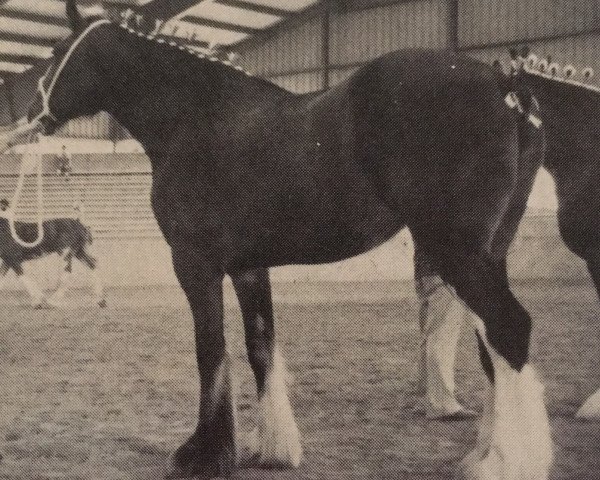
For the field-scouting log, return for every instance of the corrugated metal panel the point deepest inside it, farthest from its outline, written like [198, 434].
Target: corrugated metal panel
[98, 126]
[300, 48]
[300, 82]
[493, 21]
[114, 191]
[366, 34]
[581, 51]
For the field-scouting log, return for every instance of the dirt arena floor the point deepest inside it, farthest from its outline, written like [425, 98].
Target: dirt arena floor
[107, 394]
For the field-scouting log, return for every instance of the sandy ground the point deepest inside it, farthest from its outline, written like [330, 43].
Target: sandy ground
[107, 394]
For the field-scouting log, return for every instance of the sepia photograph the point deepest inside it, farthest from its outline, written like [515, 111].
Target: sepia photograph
[299, 239]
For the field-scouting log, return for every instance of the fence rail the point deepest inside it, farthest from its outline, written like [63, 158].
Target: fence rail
[115, 205]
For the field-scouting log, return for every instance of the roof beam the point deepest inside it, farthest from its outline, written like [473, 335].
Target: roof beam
[22, 59]
[254, 7]
[33, 17]
[233, 27]
[166, 9]
[40, 42]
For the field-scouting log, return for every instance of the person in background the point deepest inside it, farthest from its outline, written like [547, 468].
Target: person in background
[65, 167]
[441, 315]
[4, 205]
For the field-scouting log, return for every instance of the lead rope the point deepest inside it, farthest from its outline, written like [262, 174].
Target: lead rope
[26, 168]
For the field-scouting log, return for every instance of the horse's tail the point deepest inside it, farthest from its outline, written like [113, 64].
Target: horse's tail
[83, 233]
[519, 97]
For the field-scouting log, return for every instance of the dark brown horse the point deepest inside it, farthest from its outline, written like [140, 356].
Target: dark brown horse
[247, 176]
[570, 108]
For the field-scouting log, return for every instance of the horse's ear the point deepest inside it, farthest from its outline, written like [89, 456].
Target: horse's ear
[76, 21]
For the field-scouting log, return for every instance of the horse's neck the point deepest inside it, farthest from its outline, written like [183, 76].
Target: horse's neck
[153, 110]
[571, 122]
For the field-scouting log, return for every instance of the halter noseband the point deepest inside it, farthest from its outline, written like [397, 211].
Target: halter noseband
[46, 93]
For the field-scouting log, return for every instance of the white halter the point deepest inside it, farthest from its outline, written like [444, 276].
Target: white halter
[34, 163]
[45, 94]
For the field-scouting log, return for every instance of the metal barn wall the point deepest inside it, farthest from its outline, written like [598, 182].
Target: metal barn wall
[323, 50]
[484, 22]
[294, 49]
[362, 35]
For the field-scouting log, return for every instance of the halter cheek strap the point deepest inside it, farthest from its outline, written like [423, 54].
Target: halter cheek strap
[45, 94]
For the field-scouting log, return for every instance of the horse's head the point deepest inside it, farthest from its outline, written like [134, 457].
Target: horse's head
[72, 84]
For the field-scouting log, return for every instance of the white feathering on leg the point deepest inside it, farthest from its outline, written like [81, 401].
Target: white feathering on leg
[484, 437]
[520, 446]
[36, 294]
[278, 436]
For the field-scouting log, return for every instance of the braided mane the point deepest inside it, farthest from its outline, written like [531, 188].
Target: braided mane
[539, 67]
[129, 18]
[160, 39]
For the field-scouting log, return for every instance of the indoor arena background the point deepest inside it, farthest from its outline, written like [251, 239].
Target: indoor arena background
[106, 394]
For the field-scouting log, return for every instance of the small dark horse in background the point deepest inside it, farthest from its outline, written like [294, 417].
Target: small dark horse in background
[67, 237]
[247, 176]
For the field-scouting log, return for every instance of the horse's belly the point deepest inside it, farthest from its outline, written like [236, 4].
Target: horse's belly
[323, 238]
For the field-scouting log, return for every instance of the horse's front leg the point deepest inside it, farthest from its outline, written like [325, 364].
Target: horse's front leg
[58, 296]
[38, 300]
[211, 450]
[278, 439]
[3, 271]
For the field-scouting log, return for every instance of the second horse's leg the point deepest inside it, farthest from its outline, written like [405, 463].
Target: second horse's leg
[278, 436]
[37, 296]
[63, 280]
[514, 441]
[90, 261]
[3, 271]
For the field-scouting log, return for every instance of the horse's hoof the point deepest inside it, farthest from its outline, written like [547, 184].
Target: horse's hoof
[102, 303]
[193, 459]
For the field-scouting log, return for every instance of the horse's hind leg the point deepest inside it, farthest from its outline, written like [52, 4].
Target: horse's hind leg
[4, 268]
[211, 450]
[514, 441]
[63, 280]
[92, 263]
[278, 436]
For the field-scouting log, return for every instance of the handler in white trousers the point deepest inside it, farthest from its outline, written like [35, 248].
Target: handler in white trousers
[441, 316]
